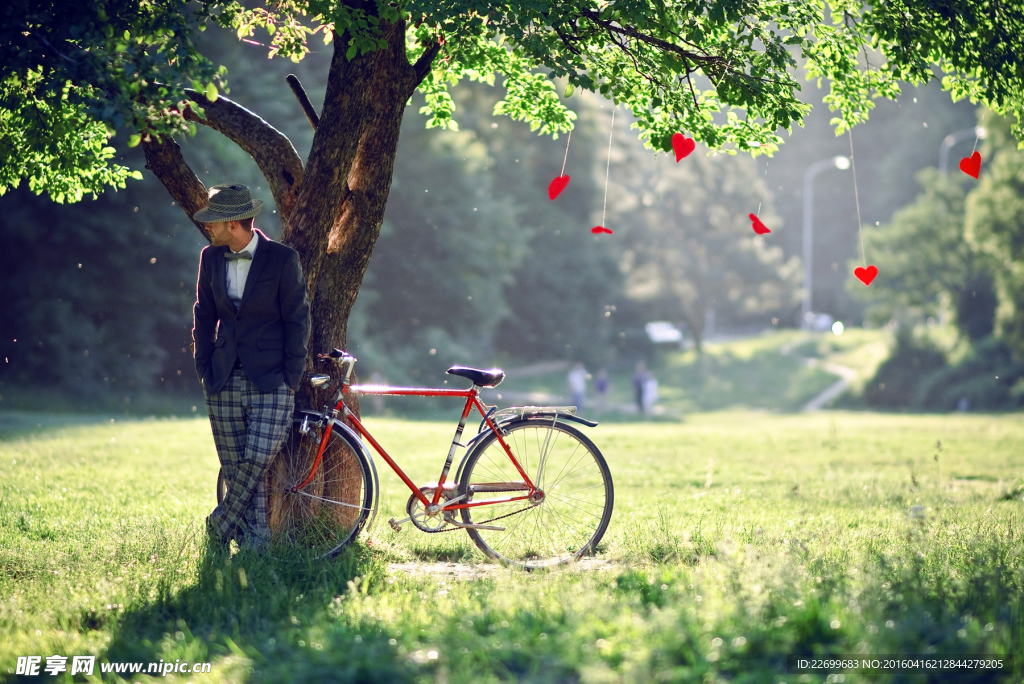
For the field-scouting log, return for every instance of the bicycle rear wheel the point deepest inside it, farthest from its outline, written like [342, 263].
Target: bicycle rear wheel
[328, 513]
[566, 522]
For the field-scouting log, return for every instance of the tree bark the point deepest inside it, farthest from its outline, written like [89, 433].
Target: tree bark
[357, 225]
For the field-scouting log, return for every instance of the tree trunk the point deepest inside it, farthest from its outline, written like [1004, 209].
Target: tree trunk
[338, 215]
[696, 325]
[333, 208]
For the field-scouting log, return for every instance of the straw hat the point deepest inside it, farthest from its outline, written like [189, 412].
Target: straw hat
[229, 202]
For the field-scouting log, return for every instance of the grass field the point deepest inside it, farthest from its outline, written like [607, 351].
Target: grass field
[738, 538]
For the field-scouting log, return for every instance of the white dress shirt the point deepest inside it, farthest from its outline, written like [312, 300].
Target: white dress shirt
[238, 271]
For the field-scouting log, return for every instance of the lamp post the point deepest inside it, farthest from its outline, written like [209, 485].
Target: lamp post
[838, 162]
[953, 139]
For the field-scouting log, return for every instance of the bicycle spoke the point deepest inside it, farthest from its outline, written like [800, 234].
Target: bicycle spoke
[572, 515]
[339, 503]
[327, 512]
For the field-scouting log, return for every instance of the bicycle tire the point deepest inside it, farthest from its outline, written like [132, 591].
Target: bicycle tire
[577, 506]
[330, 511]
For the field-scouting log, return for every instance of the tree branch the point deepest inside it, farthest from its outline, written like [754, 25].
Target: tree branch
[566, 42]
[422, 65]
[624, 46]
[650, 40]
[271, 149]
[164, 159]
[692, 92]
[307, 106]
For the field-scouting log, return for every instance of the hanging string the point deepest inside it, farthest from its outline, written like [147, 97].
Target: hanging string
[566, 153]
[975, 148]
[607, 168]
[856, 196]
[766, 163]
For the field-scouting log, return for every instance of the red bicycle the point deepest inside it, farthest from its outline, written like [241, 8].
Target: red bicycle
[531, 489]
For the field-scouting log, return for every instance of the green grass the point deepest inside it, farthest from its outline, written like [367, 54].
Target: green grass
[737, 538]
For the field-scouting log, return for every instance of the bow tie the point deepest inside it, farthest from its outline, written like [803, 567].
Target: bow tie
[233, 256]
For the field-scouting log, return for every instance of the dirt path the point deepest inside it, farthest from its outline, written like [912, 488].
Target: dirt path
[846, 376]
[469, 571]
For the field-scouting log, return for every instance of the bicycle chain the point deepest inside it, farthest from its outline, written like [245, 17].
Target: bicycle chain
[481, 522]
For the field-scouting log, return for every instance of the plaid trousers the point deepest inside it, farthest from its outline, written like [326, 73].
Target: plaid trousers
[249, 426]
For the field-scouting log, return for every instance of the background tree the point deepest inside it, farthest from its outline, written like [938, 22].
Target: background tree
[446, 252]
[930, 267]
[689, 246]
[92, 305]
[721, 70]
[995, 227]
[954, 251]
[902, 137]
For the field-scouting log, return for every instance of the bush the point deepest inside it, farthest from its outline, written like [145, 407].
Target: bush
[917, 376]
[985, 378]
[896, 383]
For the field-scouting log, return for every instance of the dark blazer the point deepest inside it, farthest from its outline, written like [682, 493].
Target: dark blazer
[269, 331]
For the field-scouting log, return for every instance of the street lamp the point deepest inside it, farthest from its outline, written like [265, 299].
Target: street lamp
[838, 162]
[953, 139]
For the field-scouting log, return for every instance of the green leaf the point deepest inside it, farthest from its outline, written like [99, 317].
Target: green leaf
[211, 92]
[134, 140]
[568, 90]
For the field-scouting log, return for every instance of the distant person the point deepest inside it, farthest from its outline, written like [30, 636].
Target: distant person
[578, 384]
[650, 394]
[601, 388]
[640, 377]
[251, 327]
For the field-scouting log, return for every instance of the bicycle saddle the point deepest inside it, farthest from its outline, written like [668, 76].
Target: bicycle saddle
[481, 378]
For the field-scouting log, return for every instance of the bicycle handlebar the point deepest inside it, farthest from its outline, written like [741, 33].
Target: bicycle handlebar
[340, 358]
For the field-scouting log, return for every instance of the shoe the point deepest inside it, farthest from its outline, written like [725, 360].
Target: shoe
[214, 540]
[253, 543]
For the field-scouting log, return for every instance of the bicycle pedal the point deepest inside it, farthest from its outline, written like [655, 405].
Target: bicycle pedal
[394, 525]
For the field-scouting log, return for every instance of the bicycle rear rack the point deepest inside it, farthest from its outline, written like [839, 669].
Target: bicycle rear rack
[520, 412]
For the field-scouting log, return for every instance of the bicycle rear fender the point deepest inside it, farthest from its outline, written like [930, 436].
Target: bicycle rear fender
[356, 443]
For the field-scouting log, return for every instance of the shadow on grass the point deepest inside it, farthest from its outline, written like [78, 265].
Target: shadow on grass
[264, 617]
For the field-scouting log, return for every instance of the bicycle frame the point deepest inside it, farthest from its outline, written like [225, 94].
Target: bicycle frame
[471, 396]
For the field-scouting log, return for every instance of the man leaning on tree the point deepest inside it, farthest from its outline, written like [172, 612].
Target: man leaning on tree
[251, 327]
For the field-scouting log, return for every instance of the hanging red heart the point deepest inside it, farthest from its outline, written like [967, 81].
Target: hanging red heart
[971, 165]
[682, 145]
[866, 275]
[556, 186]
[597, 230]
[758, 227]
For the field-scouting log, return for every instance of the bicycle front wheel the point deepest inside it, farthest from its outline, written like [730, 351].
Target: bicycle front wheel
[328, 512]
[570, 514]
